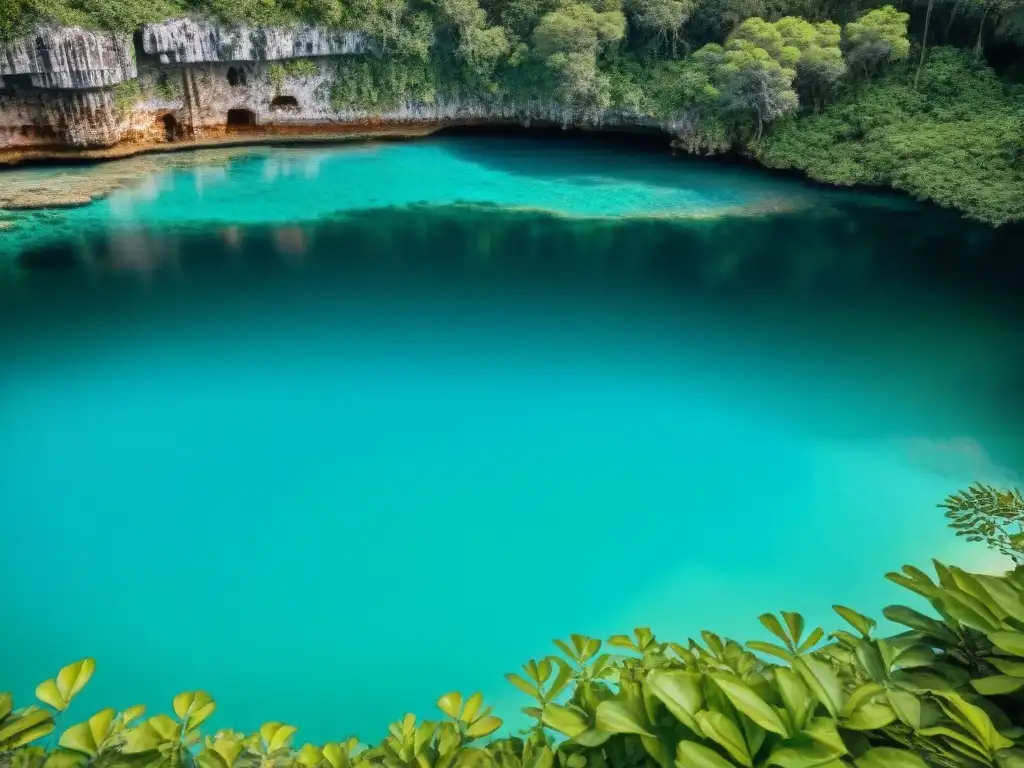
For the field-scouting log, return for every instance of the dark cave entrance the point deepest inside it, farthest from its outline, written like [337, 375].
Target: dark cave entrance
[284, 102]
[241, 118]
[236, 77]
[172, 129]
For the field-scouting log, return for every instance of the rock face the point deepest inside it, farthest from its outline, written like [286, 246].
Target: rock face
[68, 58]
[185, 41]
[197, 80]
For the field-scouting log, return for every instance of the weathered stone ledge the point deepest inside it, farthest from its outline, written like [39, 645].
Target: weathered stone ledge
[67, 58]
[190, 41]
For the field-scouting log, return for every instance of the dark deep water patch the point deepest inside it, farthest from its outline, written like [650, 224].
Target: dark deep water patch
[330, 469]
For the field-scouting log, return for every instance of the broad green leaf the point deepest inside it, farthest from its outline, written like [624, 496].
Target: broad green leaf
[1012, 667]
[132, 713]
[593, 646]
[592, 737]
[822, 682]
[997, 685]
[870, 658]
[861, 696]
[282, 736]
[522, 685]
[543, 671]
[1010, 758]
[193, 707]
[1011, 642]
[870, 717]
[812, 639]
[564, 720]
[724, 732]
[228, 749]
[48, 693]
[975, 749]
[680, 692]
[749, 703]
[1003, 594]
[165, 727]
[142, 738]
[795, 624]
[916, 620]
[472, 708]
[19, 730]
[561, 680]
[803, 752]
[888, 757]
[65, 758]
[906, 706]
[615, 717]
[485, 726]
[564, 649]
[6, 705]
[968, 611]
[451, 704]
[690, 754]
[86, 737]
[73, 678]
[858, 621]
[977, 722]
[771, 649]
[795, 696]
[772, 624]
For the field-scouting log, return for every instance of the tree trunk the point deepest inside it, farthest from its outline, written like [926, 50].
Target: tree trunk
[952, 18]
[981, 29]
[924, 42]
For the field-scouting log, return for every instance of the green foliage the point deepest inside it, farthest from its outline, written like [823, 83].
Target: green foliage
[954, 140]
[278, 72]
[126, 95]
[877, 38]
[986, 514]
[379, 84]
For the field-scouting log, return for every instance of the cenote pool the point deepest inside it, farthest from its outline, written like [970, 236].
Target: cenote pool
[330, 431]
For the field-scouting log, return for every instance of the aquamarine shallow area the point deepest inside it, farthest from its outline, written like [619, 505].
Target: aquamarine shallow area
[329, 468]
[281, 185]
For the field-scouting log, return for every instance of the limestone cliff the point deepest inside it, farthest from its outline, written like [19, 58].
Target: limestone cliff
[188, 80]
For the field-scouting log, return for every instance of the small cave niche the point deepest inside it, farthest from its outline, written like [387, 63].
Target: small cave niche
[236, 77]
[241, 118]
[172, 128]
[284, 102]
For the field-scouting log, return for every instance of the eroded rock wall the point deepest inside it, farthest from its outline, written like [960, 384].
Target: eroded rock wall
[196, 80]
[188, 41]
[67, 58]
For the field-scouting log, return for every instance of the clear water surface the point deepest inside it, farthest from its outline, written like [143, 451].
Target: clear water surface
[329, 432]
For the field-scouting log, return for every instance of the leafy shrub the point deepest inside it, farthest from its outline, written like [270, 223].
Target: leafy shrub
[945, 692]
[952, 140]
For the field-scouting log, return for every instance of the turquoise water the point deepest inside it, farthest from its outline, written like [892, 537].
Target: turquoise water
[271, 431]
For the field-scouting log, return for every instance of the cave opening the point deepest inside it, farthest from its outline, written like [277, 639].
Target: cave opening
[284, 102]
[172, 130]
[236, 77]
[241, 118]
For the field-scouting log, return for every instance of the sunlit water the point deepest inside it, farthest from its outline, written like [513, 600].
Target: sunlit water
[330, 432]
